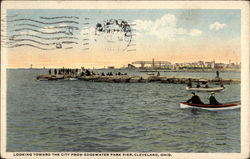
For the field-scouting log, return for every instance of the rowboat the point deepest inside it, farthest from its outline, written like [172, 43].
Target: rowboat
[204, 89]
[73, 79]
[225, 106]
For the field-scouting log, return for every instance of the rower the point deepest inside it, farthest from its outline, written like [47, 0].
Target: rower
[212, 100]
[195, 99]
[189, 84]
[206, 85]
[198, 85]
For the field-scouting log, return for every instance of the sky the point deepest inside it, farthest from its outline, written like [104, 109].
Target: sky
[182, 35]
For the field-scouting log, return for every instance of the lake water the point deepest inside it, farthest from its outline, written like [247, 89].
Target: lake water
[116, 117]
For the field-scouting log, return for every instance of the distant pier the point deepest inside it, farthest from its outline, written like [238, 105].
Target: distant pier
[138, 79]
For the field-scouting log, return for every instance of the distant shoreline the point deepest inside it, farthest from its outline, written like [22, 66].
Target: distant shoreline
[146, 70]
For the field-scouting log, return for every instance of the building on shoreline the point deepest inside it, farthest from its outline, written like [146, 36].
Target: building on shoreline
[185, 65]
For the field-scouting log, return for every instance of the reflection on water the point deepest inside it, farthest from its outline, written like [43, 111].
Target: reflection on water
[100, 117]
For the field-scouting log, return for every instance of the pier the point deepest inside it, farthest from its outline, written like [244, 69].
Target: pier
[138, 79]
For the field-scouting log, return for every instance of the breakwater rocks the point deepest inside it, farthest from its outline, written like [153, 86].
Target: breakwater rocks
[137, 79]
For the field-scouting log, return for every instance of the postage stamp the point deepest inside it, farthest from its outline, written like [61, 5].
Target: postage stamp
[124, 79]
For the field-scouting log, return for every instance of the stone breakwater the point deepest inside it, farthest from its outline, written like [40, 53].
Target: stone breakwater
[138, 79]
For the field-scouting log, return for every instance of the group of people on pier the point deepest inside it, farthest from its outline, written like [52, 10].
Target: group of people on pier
[64, 71]
[81, 72]
[111, 74]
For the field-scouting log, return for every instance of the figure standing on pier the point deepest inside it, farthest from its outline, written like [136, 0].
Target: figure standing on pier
[189, 83]
[217, 74]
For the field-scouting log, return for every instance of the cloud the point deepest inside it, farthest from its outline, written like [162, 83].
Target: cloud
[217, 26]
[195, 32]
[164, 28]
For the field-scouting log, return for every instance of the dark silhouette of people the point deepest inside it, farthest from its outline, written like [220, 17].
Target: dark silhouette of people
[189, 84]
[198, 85]
[195, 99]
[92, 73]
[217, 74]
[212, 100]
[158, 73]
[206, 85]
[221, 84]
[82, 73]
[49, 71]
[87, 72]
[55, 71]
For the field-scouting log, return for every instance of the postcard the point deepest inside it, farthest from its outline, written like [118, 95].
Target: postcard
[124, 79]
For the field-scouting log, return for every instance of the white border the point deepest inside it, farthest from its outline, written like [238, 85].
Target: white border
[245, 87]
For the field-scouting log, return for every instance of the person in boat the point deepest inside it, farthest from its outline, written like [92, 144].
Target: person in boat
[206, 85]
[189, 84]
[195, 99]
[221, 84]
[198, 85]
[212, 100]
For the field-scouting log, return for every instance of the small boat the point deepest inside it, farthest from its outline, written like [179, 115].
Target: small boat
[205, 89]
[73, 79]
[225, 106]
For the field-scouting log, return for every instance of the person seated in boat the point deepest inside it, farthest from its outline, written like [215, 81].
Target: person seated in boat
[198, 85]
[212, 100]
[189, 84]
[221, 84]
[195, 99]
[206, 85]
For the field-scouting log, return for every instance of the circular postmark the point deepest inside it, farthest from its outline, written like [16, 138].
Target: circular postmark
[114, 34]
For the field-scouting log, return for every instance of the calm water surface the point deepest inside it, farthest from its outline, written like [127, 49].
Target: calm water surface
[107, 117]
